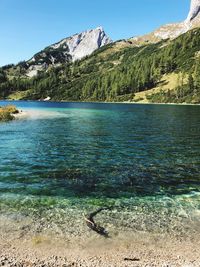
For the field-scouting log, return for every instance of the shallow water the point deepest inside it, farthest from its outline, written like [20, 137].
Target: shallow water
[63, 159]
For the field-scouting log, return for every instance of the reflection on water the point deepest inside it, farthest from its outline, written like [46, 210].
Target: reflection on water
[144, 160]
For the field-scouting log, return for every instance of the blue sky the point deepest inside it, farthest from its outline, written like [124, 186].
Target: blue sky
[27, 26]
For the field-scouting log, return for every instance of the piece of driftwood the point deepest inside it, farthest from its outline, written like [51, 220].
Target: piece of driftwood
[131, 259]
[89, 219]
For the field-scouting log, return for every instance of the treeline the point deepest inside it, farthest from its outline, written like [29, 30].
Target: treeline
[109, 75]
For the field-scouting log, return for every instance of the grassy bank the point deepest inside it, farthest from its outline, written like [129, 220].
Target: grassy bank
[7, 113]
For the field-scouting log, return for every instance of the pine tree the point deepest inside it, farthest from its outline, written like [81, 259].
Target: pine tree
[197, 75]
[190, 83]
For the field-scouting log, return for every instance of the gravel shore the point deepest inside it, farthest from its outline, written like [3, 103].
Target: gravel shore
[125, 249]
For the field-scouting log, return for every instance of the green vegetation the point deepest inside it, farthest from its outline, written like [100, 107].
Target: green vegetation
[188, 92]
[7, 112]
[114, 74]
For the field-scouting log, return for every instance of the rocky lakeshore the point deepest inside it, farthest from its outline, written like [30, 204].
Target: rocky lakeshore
[26, 242]
[8, 113]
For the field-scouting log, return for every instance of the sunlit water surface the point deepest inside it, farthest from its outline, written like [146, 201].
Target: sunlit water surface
[62, 160]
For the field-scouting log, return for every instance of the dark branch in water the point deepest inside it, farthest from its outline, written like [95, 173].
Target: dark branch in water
[92, 225]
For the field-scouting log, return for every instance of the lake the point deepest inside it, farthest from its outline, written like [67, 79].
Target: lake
[66, 159]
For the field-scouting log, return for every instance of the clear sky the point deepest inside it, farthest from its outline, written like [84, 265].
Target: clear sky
[27, 26]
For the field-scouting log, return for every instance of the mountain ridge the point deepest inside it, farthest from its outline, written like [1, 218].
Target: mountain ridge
[173, 30]
[83, 44]
[116, 71]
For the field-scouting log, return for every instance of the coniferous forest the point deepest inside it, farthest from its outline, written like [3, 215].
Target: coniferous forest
[114, 74]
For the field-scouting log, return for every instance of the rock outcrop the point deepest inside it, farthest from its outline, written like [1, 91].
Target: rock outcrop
[194, 11]
[69, 49]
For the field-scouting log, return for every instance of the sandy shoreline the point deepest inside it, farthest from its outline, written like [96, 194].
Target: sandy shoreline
[21, 115]
[35, 114]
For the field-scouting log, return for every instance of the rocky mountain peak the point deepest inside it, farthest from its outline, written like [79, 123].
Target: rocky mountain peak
[83, 44]
[69, 49]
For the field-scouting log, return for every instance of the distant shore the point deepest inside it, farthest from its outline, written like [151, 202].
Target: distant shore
[104, 102]
[148, 103]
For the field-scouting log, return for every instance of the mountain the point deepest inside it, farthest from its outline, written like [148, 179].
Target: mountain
[80, 45]
[163, 66]
[69, 49]
[173, 30]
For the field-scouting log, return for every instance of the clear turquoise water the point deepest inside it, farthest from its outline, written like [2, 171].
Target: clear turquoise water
[144, 160]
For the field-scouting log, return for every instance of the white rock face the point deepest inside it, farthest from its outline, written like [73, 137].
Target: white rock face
[85, 43]
[194, 10]
[34, 69]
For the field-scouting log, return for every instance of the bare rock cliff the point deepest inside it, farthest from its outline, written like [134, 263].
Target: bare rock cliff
[69, 49]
